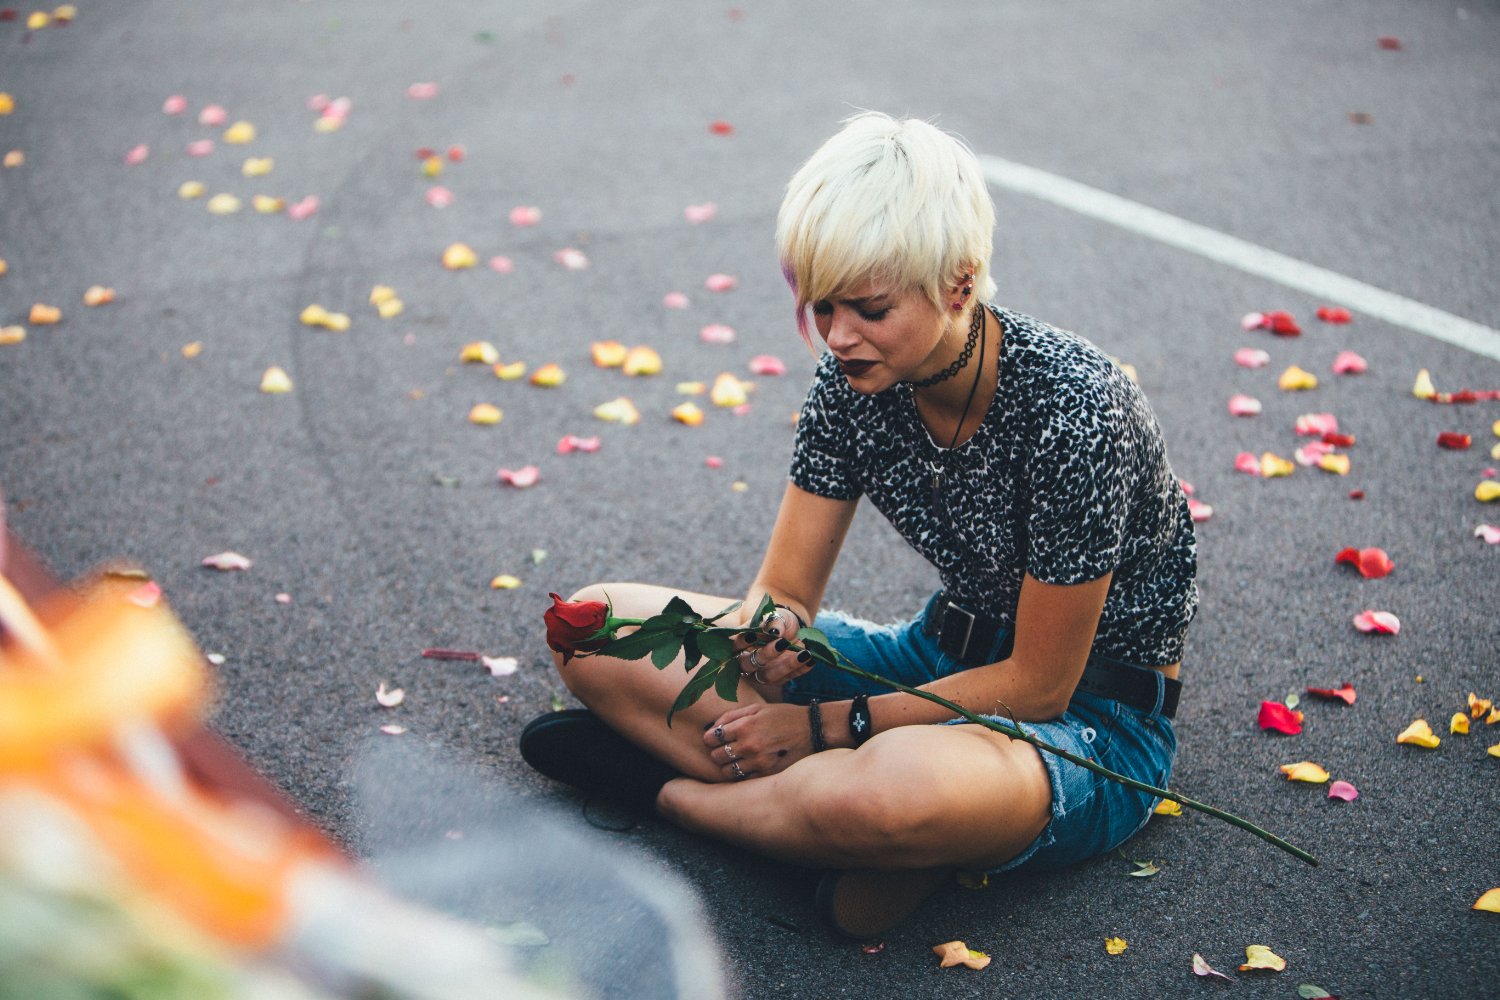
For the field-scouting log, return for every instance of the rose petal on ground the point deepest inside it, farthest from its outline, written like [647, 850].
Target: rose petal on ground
[1115, 945]
[728, 391]
[1490, 900]
[1337, 464]
[189, 190]
[1423, 388]
[1372, 563]
[525, 215]
[1283, 324]
[691, 388]
[1344, 693]
[223, 204]
[571, 443]
[1339, 440]
[520, 478]
[698, 214]
[240, 133]
[957, 953]
[283, 598]
[13, 158]
[1487, 491]
[608, 353]
[422, 91]
[389, 697]
[1378, 623]
[1334, 314]
[1305, 770]
[485, 414]
[721, 128]
[549, 376]
[1349, 363]
[275, 381]
[212, 114]
[1167, 807]
[174, 105]
[572, 259]
[1202, 968]
[1388, 42]
[1479, 706]
[459, 256]
[257, 166]
[642, 361]
[720, 282]
[1198, 510]
[12, 334]
[1252, 321]
[505, 581]
[501, 666]
[767, 364]
[393, 729]
[1493, 717]
[501, 265]
[98, 295]
[675, 300]
[1459, 723]
[438, 196]
[1311, 454]
[1241, 405]
[618, 411]
[267, 205]
[714, 462]
[226, 561]
[1419, 733]
[510, 372]
[1187, 487]
[432, 166]
[1316, 424]
[299, 210]
[716, 333]
[1251, 357]
[1453, 440]
[1296, 379]
[137, 154]
[1343, 790]
[42, 314]
[199, 147]
[1247, 463]
[1273, 466]
[1275, 715]
[687, 413]
[1258, 956]
[480, 352]
[381, 293]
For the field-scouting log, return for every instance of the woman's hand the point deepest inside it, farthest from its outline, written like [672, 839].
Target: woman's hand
[766, 656]
[756, 740]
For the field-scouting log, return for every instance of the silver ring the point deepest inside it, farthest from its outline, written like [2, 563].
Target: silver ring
[755, 663]
[776, 617]
[759, 679]
[719, 732]
[738, 774]
[729, 751]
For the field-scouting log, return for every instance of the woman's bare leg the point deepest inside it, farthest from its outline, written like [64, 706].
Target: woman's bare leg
[633, 696]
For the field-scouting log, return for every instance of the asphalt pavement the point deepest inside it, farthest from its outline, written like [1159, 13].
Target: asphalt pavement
[367, 497]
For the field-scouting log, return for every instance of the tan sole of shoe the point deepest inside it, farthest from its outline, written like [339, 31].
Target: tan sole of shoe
[861, 905]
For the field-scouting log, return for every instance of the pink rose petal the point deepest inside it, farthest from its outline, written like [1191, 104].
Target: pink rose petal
[697, 214]
[227, 561]
[525, 215]
[502, 265]
[716, 333]
[393, 729]
[1275, 715]
[767, 364]
[520, 478]
[1252, 357]
[714, 462]
[1252, 321]
[1349, 363]
[741, 410]
[720, 282]
[1244, 406]
[1187, 487]
[174, 105]
[212, 114]
[675, 300]
[1489, 533]
[1343, 790]
[338, 109]
[1317, 424]
[439, 196]
[422, 91]
[1198, 510]
[501, 666]
[389, 697]
[1377, 622]
[571, 443]
[572, 259]
[200, 147]
[138, 154]
[1247, 463]
[1312, 453]
[299, 210]
[317, 102]
[283, 598]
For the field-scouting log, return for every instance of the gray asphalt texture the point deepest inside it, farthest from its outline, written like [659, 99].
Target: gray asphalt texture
[113, 446]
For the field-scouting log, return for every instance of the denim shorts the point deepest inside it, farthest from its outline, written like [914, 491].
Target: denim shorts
[1090, 814]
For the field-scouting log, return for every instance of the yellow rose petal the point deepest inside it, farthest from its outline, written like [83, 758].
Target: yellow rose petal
[192, 350]
[1258, 956]
[12, 334]
[381, 293]
[642, 361]
[257, 166]
[1305, 770]
[1459, 724]
[267, 205]
[1487, 491]
[37, 20]
[1115, 945]
[1334, 463]
[691, 388]
[3, 266]
[510, 372]
[223, 204]
[479, 352]
[485, 414]
[1166, 807]
[1494, 751]
[390, 308]
[549, 376]
[14, 158]
[326, 123]
[687, 413]
[239, 133]
[608, 353]
[1489, 901]
[1493, 717]
[337, 322]
[313, 315]
[98, 295]
[618, 411]
[1295, 379]
[432, 166]
[275, 381]
[1419, 733]
[1274, 466]
[7, 103]
[459, 256]
[188, 190]
[1423, 388]
[728, 391]
[44, 315]
[64, 13]
[505, 582]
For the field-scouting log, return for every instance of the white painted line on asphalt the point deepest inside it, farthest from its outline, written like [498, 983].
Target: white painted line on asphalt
[1246, 256]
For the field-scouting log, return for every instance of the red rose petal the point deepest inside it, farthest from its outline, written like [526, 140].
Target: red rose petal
[1334, 314]
[1339, 440]
[1378, 622]
[1372, 563]
[1453, 440]
[1275, 715]
[1283, 324]
[1389, 42]
[721, 128]
[1344, 693]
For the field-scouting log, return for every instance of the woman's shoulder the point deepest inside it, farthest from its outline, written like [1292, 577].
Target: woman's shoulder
[1045, 360]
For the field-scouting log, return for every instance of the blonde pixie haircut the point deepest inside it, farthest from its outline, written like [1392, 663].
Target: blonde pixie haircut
[901, 203]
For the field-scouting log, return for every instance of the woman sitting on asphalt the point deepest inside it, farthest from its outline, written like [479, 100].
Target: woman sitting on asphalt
[1027, 468]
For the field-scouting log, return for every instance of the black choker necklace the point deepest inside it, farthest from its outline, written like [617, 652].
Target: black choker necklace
[963, 356]
[937, 468]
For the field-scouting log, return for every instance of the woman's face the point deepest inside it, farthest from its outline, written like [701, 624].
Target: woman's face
[880, 336]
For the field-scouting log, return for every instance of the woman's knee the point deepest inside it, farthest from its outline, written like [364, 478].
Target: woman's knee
[883, 805]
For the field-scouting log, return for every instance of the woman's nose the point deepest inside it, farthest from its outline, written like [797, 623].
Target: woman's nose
[841, 333]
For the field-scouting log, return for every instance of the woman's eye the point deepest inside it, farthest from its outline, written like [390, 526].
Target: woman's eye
[822, 308]
[876, 315]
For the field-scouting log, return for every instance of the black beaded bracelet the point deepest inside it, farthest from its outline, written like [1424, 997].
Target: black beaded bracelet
[800, 623]
[860, 723]
[815, 723]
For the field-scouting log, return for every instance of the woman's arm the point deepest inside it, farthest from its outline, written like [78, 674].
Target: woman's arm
[1055, 628]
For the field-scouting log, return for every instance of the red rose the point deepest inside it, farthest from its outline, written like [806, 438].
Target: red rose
[573, 626]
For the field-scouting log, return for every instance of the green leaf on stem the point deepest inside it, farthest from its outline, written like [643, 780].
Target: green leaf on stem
[663, 655]
[638, 643]
[690, 652]
[733, 607]
[816, 643]
[727, 686]
[693, 690]
[766, 609]
[681, 609]
[717, 643]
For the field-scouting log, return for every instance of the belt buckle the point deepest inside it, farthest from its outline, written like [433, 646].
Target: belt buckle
[957, 627]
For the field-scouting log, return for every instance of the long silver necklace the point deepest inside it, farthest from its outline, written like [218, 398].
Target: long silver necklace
[937, 467]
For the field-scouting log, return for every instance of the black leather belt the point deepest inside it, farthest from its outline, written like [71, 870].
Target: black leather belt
[970, 637]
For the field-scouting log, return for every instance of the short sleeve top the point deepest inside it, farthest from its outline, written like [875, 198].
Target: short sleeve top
[1066, 479]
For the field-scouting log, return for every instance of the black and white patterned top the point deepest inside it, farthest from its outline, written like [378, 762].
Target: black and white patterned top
[1066, 479]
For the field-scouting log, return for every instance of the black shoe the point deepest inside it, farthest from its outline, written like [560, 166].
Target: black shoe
[861, 905]
[577, 748]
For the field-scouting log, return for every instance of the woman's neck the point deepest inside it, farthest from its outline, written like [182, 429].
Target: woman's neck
[954, 408]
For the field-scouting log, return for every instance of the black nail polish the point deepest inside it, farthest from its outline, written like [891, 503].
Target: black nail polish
[782, 645]
[804, 657]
